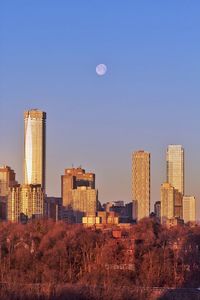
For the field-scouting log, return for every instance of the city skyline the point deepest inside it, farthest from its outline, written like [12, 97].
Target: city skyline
[99, 149]
[48, 60]
[78, 187]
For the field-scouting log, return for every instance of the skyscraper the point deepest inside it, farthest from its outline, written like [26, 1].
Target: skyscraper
[141, 183]
[34, 147]
[189, 209]
[175, 167]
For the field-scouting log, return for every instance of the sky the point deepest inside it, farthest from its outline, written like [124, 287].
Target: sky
[148, 98]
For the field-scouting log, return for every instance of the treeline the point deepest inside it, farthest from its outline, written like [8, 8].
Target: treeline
[48, 260]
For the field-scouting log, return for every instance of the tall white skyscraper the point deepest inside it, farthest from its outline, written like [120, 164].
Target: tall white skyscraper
[34, 147]
[175, 167]
[189, 209]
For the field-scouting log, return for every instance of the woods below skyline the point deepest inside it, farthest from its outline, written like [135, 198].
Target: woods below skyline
[50, 258]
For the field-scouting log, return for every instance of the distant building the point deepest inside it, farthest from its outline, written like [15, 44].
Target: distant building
[107, 206]
[118, 207]
[71, 180]
[84, 202]
[141, 184]
[174, 222]
[7, 180]
[157, 209]
[14, 207]
[27, 200]
[189, 209]
[129, 210]
[79, 196]
[125, 212]
[53, 208]
[3, 208]
[103, 218]
[171, 202]
[175, 167]
[35, 147]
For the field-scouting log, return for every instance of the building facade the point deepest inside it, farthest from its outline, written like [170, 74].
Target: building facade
[53, 208]
[171, 202]
[189, 209]
[26, 200]
[71, 180]
[175, 167]
[79, 196]
[7, 180]
[34, 147]
[157, 209]
[84, 202]
[167, 201]
[141, 184]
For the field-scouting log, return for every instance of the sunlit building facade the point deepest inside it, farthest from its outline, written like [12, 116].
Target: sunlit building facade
[79, 196]
[14, 204]
[189, 209]
[34, 147]
[7, 180]
[171, 202]
[167, 201]
[84, 202]
[141, 184]
[175, 167]
[72, 179]
[27, 200]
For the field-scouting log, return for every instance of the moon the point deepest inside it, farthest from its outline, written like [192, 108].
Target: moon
[101, 69]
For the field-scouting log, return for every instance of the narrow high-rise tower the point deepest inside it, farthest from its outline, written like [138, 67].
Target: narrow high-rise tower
[189, 209]
[175, 167]
[141, 184]
[35, 147]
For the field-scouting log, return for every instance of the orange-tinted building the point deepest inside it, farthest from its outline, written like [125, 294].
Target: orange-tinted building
[141, 184]
[7, 180]
[71, 180]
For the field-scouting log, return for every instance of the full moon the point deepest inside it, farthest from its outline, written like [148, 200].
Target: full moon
[101, 69]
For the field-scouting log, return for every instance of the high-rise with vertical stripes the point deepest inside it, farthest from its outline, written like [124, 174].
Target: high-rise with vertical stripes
[141, 184]
[175, 167]
[35, 147]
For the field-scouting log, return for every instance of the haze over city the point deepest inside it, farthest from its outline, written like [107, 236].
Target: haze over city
[147, 100]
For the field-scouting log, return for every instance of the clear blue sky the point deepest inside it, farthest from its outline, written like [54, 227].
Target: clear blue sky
[148, 99]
